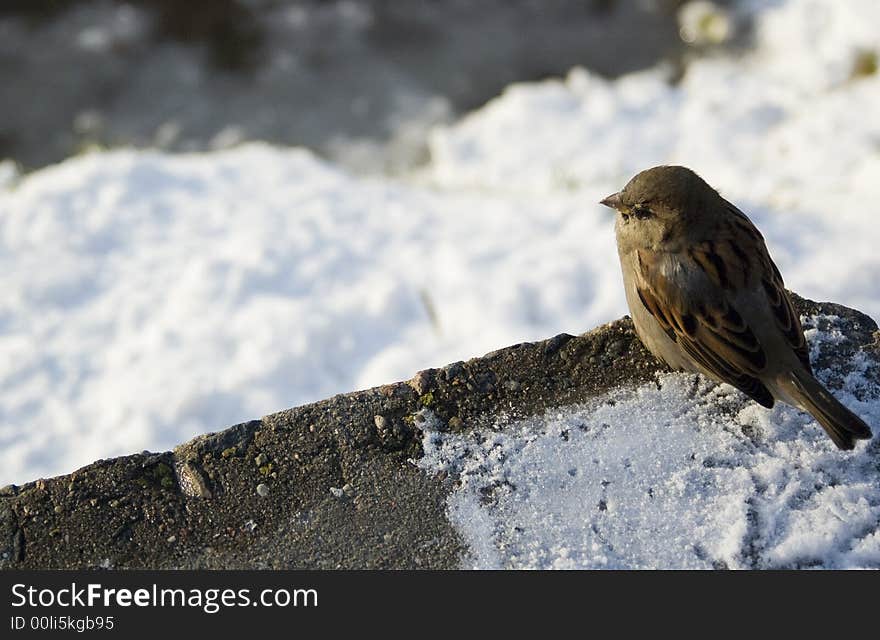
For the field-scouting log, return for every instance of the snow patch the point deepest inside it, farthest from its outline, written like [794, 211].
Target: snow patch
[679, 473]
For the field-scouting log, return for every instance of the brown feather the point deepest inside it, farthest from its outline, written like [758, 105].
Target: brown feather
[786, 318]
[712, 333]
[718, 355]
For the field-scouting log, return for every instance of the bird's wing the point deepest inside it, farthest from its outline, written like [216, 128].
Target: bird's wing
[700, 317]
[753, 252]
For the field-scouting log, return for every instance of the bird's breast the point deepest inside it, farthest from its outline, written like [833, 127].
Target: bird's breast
[648, 329]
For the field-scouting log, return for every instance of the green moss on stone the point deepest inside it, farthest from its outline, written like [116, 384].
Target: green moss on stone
[159, 476]
[865, 64]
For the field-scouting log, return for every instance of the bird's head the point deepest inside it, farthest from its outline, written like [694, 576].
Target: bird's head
[656, 202]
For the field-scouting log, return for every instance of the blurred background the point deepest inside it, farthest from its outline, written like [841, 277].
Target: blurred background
[358, 81]
[214, 210]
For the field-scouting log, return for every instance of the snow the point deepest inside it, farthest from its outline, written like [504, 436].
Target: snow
[150, 297]
[675, 474]
[785, 131]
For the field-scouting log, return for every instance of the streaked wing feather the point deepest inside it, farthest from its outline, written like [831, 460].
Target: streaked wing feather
[786, 317]
[712, 332]
[771, 280]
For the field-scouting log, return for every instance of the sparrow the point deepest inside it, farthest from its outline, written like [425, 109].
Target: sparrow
[706, 297]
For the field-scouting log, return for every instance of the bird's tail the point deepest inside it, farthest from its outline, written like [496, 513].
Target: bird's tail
[842, 425]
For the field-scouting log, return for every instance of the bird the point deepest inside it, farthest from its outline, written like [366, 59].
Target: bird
[705, 296]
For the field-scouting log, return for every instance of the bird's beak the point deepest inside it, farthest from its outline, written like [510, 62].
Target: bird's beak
[612, 201]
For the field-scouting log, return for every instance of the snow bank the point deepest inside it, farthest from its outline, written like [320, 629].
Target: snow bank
[788, 131]
[148, 298]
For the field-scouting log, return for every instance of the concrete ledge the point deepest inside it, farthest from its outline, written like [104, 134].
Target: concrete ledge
[326, 485]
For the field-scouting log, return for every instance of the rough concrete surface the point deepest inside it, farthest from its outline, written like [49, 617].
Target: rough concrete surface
[326, 485]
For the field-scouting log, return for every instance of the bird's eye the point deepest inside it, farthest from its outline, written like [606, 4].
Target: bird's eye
[641, 212]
